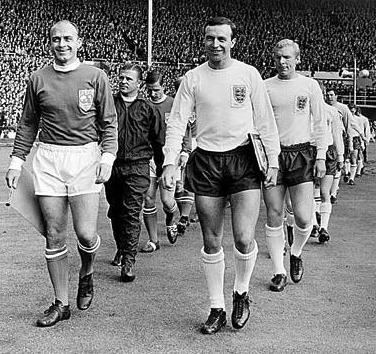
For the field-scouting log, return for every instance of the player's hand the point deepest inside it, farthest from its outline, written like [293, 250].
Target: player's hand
[183, 158]
[320, 168]
[271, 178]
[168, 177]
[12, 177]
[103, 173]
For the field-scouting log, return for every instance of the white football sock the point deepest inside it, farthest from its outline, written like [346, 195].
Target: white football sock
[214, 269]
[275, 241]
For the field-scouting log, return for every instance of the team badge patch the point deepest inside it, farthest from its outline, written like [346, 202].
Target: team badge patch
[301, 103]
[239, 93]
[85, 99]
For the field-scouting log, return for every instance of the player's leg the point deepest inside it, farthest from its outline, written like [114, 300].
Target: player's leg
[326, 207]
[185, 200]
[335, 187]
[211, 214]
[84, 210]
[301, 199]
[55, 214]
[150, 217]
[360, 165]
[171, 210]
[316, 216]
[290, 220]
[275, 237]
[244, 215]
[353, 166]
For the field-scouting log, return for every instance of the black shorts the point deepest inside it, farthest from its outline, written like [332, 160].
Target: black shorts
[296, 164]
[331, 160]
[217, 174]
[357, 143]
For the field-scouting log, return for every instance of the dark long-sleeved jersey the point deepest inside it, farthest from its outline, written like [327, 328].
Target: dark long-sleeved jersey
[139, 131]
[70, 108]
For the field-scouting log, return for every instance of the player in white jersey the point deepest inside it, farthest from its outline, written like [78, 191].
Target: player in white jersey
[346, 116]
[366, 135]
[230, 101]
[357, 136]
[333, 163]
[298, 108]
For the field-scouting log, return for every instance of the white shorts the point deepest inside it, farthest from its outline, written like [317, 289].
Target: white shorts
[66, 170]
[153, 171]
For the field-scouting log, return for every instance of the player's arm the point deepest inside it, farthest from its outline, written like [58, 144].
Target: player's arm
[182, 108]
[27, 131]
[107, 121]
[319, 128]
[265, 124]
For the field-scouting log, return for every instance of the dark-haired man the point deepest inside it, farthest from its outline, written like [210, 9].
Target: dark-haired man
[162, 104]
[72, 105]
[229, 100]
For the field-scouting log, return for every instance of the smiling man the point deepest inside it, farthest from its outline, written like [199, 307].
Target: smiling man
[230, 101]
[72, 105]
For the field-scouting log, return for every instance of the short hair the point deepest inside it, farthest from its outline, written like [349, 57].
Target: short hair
[332, 89]
[132, 67]
[67, 22]
[287, 43]
[217, 21]
[154, 76]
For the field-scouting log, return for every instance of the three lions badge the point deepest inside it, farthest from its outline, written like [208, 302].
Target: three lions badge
[85, 99]
[301, 104]
[238, 95]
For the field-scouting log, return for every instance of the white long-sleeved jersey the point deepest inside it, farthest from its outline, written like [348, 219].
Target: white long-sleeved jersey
[298, 107]
[229, 104]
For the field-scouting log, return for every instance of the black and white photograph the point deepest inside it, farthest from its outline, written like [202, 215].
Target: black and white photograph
[188, 176]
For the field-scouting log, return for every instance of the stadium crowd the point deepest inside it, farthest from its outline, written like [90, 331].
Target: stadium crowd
[329, 33]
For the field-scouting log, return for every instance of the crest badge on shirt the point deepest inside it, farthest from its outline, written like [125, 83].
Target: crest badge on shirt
[238, 95]
[85, 99]
[301, 103]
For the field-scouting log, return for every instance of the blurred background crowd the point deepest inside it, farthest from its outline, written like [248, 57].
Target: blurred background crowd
[330, 34]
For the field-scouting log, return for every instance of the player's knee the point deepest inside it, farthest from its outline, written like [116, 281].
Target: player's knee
[274, 216]
[149, 202]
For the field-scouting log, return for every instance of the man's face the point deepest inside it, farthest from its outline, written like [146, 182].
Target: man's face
[285, 60]
[129, 82]
[218, 43]
[331, 97]
[155, 91]
[64, 43]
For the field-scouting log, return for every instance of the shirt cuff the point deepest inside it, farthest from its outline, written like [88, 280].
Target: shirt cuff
[16, 163]
[107, 158]
[273, 161]
[170, 159]
[321, 154]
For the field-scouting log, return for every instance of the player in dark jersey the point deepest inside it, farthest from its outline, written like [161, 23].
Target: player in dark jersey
[162, 104]
[72, 104]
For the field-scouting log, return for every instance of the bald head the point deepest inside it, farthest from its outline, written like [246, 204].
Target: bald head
[64, 24]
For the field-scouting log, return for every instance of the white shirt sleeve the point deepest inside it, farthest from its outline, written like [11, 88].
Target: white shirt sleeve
[182, 109]
[264, 119]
